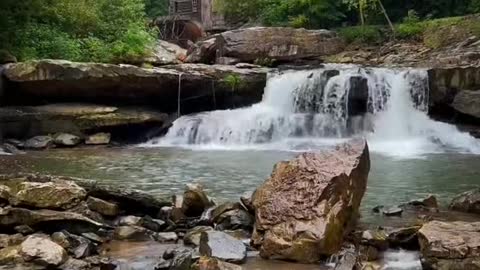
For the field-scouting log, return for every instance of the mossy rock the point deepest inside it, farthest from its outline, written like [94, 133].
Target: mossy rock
[6, 57]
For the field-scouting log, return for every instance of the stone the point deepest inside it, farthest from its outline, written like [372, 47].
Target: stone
[103, 207]
[468, 202]
[206, 263]
[349, 259]
[128, 221]
[450, 245]
[166, 237]
[222, 246]
[182, 260]
[47, 219]
[98, 139]
[235, 219]
[277, 43]
[93, 237]
[78, 246]
[369, 253]
[75, 264]
[378, 209]
[96, 83]
[10, 240]
[39, 142]
[226, 61]
[467, 102]
[73, 121]
[133, 233]
[192, 237]
[393, 211]
[146, 222]
[10, 255]
[166, 53]
[42, 250]
[246, 200]
[429, 202]
[309, 204]
[4, 193]
[24, 229]
[11, 149]
[222, 208]
[65, 139]
[195, 200]
[51, 195]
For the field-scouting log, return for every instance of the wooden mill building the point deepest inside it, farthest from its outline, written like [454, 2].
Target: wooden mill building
[189, 20]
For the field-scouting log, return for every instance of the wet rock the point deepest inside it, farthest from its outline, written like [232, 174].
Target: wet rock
[75, 264]
[93, 237]
[348, 259]
[39, 142]
[310, 203]
[378, 209]
[83, 209]
[235, 219]
[65, 139]
[103, 263]
[11, 254]
[222, 208]
[429, 202]
[384, 238]
[222, 246]
[166, 53]
[468, 102]
[450, 245]
[10, 240]
[368, 253]
[103, 207]
[393, 212]
[133, 233]
[195, 201]
[4, 193]
[181, 260]
[51, 195]
[468, 202]
[128, 221]
[78, 246]
[24, 229]
[42, 250]
[47, 220]
[146, 222]
[162, 264]
[192, 237]
[11, 149]
[166, 237]
[205, 263]
[98, 139]
[246, 200]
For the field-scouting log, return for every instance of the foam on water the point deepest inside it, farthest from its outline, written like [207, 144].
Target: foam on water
[308, 110]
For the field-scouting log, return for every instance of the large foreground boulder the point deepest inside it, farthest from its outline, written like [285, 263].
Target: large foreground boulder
[275, 43]
[309, 203]
[58, 81]
[450, 245]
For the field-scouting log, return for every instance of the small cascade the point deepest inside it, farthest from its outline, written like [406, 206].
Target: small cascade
[303, 109]
[179, 98]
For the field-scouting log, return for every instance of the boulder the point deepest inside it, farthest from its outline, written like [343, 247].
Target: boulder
[4, 193]
[445, 83]
[450, 245]
[166, 237]
[206, 263]
[429, 202]
[276, 43]
[103, 207]
[467, 102]
[65, 139]
[74, 120]
[246, 200]
[52, 195]
[468, 202]
[348, 258]
[10, 240]
[10, 255]
[42, 250]
[222, 246]
[195, 200]
[166, 53]
[48, 220]
[392, 211]
[98, 139]
[182, 260]
[39, 142]
[78, 246]
[133, 233]
[59, 81]
[309, 204]
[235, 219]
[192, 237]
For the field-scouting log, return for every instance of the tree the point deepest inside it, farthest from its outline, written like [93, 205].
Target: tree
[363, 5]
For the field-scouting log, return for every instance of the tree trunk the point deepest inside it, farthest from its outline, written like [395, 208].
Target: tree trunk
[387, 17]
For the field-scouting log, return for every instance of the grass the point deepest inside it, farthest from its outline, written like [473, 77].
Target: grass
[433, 33]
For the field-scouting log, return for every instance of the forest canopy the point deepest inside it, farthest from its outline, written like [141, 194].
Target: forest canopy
[118, 30]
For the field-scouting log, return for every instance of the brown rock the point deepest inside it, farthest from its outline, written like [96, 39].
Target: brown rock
[42, 250]
[195, 200]
[98, 139]
[134, 233]
[9, 255]
[310, 203]
[450, 245]
[206, 263]
[10, 240]
[51, 195]
[468, 202]
[103, 207]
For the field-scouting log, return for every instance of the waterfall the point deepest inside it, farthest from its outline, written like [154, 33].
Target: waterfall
[302, 110]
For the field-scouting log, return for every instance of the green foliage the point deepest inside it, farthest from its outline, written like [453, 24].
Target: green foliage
[234, 81]
[411, 28]
[156, 8]
[363, 34]
[78, 30]
[266, 62]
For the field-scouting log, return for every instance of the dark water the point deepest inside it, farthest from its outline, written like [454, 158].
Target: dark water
[227, 174]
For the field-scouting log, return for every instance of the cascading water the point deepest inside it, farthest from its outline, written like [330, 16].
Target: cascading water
[304, 110]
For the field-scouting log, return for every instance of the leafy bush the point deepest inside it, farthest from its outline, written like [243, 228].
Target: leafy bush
[362, 34]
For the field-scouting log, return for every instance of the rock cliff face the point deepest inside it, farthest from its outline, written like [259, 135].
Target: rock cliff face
[309, 204]
[274, 43]
[51, 81]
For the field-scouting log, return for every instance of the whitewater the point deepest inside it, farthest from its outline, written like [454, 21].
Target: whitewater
[310, 109]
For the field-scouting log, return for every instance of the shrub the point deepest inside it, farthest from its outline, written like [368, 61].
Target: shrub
[362, 34]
